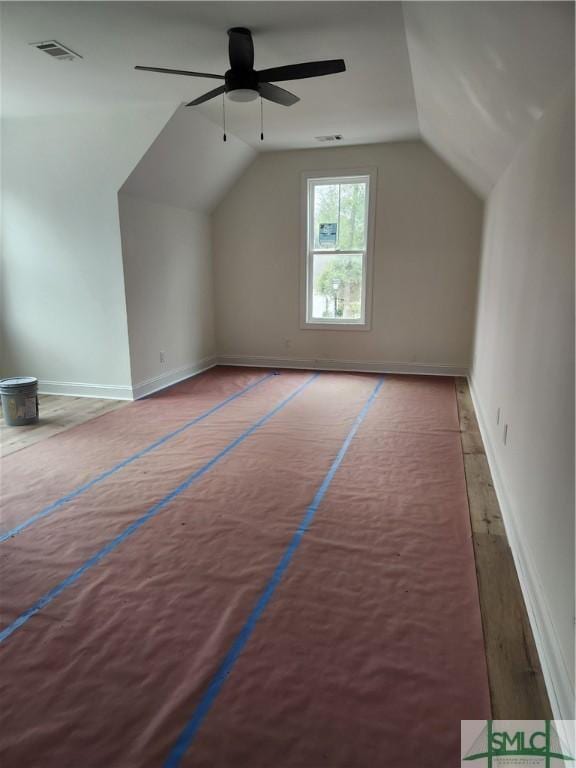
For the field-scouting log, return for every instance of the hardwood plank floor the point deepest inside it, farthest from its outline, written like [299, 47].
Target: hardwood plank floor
[517, 687]
[57, 413]
[516, 683]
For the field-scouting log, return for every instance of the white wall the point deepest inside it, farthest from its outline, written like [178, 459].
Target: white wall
[169, 293]
[524, 365]
[63, 306]
[428, 226]
[167, 249]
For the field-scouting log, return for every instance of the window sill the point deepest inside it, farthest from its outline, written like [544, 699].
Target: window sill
[305, 326]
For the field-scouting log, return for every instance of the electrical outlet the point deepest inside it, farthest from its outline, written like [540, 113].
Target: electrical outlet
[498, 416]
[162, 357]
[505, 436]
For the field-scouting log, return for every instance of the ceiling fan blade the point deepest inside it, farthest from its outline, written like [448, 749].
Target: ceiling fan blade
[277, 95]
[207, 96]
[300, 71]
[165, 71]
[240, 48]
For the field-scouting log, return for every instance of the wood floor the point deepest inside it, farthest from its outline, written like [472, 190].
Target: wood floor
[57, 413]
[517, 689]
[516, 683]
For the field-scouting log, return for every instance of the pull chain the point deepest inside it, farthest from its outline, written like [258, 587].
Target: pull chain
[224, 118]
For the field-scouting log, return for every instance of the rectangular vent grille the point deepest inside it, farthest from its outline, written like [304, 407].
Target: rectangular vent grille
[332, 137]
[56, 50]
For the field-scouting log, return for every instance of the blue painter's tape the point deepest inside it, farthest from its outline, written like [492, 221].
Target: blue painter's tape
[189, 732]
[117, 467]
[152, 512]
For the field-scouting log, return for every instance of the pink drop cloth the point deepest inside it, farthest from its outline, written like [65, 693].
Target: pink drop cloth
[370, 651]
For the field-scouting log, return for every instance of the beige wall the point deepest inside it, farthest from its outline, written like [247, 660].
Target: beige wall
[524, 365]
[169, 294]
[427, 241]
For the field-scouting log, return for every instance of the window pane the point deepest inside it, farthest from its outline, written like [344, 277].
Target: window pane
[352, 216]
[339, 216]
[326, 216]
[336, 286]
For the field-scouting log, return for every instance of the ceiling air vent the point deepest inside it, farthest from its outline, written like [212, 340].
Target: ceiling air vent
[332, 137]
[56, 50]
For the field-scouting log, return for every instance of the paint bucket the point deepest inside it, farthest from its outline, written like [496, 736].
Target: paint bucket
[19, 400]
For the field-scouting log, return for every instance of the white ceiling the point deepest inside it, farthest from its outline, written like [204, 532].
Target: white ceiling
[482, 72]
[373, 101]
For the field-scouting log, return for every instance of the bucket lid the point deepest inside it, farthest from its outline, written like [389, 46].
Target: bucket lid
[18, 381]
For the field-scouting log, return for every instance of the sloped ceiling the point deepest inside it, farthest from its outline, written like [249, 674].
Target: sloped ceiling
[187, 165]
[484, 73]
[471, 78]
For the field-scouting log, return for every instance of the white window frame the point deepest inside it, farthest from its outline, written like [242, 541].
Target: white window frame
[342, 175]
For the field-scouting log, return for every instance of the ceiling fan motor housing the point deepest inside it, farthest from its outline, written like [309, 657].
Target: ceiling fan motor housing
[241, 79]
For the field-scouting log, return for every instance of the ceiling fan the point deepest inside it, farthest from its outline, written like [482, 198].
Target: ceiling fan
[243, 83]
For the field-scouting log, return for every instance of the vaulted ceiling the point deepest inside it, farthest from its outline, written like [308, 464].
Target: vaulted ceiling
[484, 73]
[471, 78]
[187, 166]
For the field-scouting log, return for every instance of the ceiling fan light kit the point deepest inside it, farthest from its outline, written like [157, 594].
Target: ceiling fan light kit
[242, 83]
[242, 94]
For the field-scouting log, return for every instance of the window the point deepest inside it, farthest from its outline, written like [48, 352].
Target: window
[337, 250]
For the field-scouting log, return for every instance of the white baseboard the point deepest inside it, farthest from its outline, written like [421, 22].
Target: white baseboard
[125, 392]
[560, 688]
[168, 378]
[81, 389]
[358, 366]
